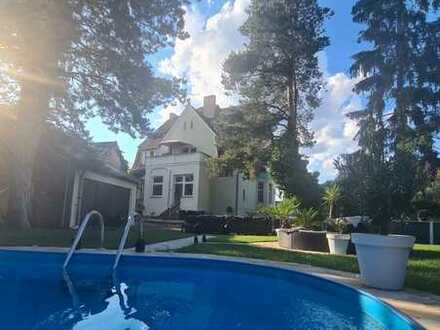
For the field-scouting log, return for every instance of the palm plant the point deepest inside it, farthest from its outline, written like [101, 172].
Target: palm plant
[332, 195]
[283, 211]
[306, 218]
[286, 209]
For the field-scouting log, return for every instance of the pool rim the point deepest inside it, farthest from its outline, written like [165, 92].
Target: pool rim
[211, 257]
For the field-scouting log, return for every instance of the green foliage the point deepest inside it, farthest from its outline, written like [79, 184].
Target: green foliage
[91, 56]
[332, 195]
[398, 125]
[63, 62]
[337, 226]
[429, 198]
[283, 210]
[307, 218]
[289, 170]
[289, 212]
[279, 81]
[244, 140]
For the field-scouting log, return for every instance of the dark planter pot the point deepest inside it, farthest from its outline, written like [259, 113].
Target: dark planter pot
[310, 240]
[307, 240]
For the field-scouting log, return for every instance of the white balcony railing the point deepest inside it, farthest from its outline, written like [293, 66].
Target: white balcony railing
[176, 158]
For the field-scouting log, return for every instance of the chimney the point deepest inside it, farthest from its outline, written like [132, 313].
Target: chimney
[209, 106]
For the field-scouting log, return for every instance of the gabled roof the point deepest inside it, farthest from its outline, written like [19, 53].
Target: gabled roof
[152, 142]
[208, 121]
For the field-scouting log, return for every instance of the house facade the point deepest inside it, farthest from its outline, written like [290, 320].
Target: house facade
[173, 163]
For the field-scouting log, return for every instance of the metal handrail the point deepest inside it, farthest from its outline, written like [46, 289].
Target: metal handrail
[130, 222]
[81, 231]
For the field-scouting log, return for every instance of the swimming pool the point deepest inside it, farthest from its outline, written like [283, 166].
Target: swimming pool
[159, 292]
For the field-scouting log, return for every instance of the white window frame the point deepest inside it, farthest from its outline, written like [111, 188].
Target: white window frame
[156, 184]
[185, 182]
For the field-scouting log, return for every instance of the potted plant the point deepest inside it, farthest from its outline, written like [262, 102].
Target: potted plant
[308, 236]
[382, 258]
[286, 210]
[337, 240]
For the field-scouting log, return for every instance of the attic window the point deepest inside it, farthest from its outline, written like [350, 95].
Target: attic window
[184, 125]
[192, 124]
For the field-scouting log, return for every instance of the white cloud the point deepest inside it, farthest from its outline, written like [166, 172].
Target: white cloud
[199, 59]
[334, 132]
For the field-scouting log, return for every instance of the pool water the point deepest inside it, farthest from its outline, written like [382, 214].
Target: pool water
[176, 293]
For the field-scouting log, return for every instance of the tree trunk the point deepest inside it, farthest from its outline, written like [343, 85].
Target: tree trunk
[292, 128]
[32, 111]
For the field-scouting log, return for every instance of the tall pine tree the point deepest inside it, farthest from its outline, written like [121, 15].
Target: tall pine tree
[396, 134]
[277, 74]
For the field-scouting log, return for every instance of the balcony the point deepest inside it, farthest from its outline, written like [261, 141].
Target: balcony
[194, 157]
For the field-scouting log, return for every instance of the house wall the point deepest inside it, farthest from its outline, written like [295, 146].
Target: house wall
[204, 200]
[224, 191]
[223, 194]
[168, 167]
[199, 135]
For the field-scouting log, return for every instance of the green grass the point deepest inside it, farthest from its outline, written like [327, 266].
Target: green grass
[64, 237]
[345, 263]
[423, 268]
[243, 238]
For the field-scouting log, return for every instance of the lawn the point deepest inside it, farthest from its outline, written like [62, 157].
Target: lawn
[242, 238]
[423, 268]
[64, 237]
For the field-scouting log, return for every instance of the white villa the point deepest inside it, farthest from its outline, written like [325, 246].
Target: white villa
[173, 164]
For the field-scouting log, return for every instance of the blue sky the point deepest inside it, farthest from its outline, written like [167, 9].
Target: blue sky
[213, 26]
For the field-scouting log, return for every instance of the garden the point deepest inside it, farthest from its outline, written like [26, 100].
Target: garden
[377, 248]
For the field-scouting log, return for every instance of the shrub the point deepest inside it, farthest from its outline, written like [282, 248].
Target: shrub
[283, 211]
[307, 218]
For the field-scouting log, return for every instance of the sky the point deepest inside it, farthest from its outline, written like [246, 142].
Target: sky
[213, 27]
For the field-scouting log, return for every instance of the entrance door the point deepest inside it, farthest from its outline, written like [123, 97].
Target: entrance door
[178, 189]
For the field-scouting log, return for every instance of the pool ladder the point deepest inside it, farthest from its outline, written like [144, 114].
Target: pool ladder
[81, 229]
[130, 222]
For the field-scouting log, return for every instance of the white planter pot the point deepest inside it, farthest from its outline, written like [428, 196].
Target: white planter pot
[383, 259]
[338, 243]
